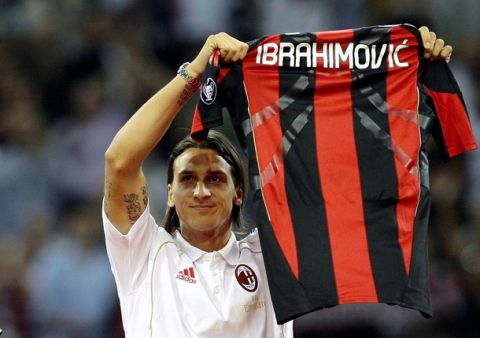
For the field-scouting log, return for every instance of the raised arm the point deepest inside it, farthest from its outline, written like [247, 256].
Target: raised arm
[125, 189]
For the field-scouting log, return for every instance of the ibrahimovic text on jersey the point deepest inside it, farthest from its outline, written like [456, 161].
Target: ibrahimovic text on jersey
[334, 126]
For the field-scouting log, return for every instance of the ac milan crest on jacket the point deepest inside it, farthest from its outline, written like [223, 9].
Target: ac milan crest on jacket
[334, 126]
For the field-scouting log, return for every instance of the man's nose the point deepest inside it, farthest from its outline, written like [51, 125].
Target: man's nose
[201, 191]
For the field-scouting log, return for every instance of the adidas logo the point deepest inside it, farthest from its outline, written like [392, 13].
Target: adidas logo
[188, 275]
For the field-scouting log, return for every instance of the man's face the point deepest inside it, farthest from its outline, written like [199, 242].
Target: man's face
[203, 192]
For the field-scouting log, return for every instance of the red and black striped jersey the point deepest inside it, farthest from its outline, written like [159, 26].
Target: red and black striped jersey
[334, 125]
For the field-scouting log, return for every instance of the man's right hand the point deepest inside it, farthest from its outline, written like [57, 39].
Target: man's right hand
[231, 50]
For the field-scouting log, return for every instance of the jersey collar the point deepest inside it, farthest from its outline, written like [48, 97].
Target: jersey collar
[230, 252]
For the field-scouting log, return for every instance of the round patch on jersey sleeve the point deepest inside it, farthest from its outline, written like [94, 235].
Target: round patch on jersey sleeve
[246, 277]
[209, 91]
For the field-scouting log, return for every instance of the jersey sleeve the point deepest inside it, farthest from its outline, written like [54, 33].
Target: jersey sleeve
[452, 130]
[222, 87]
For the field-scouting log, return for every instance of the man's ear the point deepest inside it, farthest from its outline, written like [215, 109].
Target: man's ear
[170, 201]
[238, 200]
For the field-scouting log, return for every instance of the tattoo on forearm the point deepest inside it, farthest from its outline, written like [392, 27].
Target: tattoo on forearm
[186, 94]
[145, 195]
[134, 209]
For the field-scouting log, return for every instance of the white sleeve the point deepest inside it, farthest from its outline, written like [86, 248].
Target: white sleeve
[128, 254]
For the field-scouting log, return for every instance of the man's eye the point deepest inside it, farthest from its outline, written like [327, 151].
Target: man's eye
[217, 179]
[186, 178]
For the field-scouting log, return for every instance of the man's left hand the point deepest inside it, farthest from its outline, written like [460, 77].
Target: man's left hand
[435, 48]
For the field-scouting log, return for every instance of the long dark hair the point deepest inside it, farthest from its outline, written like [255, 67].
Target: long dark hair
[218, 142]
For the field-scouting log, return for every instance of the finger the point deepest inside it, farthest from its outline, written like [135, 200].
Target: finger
[227, 50]
[437, 48]
[425, 34]
[241, 50]
[446, 53]
[214, 42]
[431, 41]
[244, 50]
[222, 40]
[209, 47]
[229, 56]
[222, 44]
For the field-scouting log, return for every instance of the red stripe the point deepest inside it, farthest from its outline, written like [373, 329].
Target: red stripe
[192, 272]
[402, 98]
[215, 58]
[456, 128]
[197, 124]
[223, 72]
[270, 136]
[340, 180]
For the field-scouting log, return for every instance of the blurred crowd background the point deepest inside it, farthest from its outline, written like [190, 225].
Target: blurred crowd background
[73, 71]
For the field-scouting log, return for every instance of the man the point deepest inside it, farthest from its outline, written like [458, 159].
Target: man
[190, 277]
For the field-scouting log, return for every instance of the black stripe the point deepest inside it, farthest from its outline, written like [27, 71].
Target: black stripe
[417, 295]
[252, 44]
[377, 170]
[288, 298]
[305, 200]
